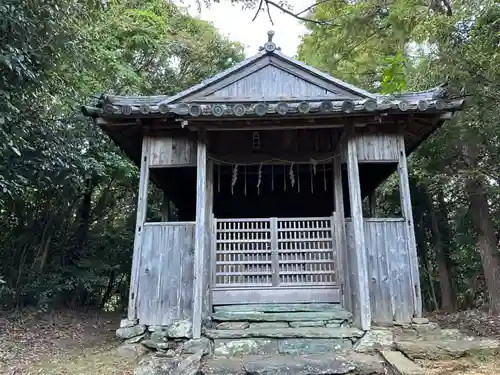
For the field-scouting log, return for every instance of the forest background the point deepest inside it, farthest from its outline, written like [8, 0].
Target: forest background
[68, 194]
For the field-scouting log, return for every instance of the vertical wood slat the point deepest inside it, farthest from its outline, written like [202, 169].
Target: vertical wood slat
[404, 188]
[200, 232]
[172, 150]
[166, 273]
[363, 315]
[274, 252]
[142, 202]
[390, 287]
[271, 81]
[375, 147]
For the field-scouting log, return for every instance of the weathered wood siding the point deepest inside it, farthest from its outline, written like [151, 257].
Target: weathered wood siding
[376, 147]
[271, 77]
[172, 150]
[272, 81]
[391, 287]
[165, 280]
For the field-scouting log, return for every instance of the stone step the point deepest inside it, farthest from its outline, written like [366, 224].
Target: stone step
[334, 316]
[279, 307]
[348, 363]
[400, 365]
[298, 324]
[302, 332]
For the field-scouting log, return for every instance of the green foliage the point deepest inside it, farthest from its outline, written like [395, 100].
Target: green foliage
[393, 75]
[407, 45]
[67, 207]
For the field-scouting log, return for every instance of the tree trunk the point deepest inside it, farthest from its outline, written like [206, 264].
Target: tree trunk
[488, 250]
[483, 222]
[109, 289]
[84, 214]
[431, 302]
[444, 274]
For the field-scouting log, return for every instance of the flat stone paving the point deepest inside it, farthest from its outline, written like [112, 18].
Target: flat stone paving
[280, 333]
[398, 364]
[277, 307]
[323, 364]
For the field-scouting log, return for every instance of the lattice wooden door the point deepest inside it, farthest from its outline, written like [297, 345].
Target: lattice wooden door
[275, 252]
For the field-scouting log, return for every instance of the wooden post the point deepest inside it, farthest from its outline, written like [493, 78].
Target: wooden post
[372, 202]
[207, 287]
[361, 301]
[165, 208]
[142, 205]
[404, 188]
[340, 235]
[200, 232]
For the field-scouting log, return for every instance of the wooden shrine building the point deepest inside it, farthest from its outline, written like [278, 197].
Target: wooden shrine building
[266, 166]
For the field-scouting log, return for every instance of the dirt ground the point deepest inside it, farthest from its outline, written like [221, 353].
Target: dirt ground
[83, 343]
[60, 343]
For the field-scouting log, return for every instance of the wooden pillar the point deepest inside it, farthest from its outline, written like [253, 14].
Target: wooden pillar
[142, 204]
[372, 202]
[207, 280]
[404, 188]
[340, 235]
[361, 299]
[165, 208]
[200, 232]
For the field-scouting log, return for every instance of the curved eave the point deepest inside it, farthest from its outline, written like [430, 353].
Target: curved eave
[283, 108]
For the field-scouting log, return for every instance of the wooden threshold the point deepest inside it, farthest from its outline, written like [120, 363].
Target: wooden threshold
[245, 296]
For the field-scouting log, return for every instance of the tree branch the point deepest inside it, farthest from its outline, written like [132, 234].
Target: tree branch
[311, 7]
[298, 16]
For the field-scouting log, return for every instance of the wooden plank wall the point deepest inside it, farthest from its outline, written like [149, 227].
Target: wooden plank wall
[391, 287]
[375, 147]
[165, 279]
[274, 82]
[172, 150]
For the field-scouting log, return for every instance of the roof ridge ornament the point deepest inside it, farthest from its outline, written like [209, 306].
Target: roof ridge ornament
[270, 46]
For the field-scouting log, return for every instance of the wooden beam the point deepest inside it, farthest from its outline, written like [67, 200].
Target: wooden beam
[142, 204]
[404, 188]
[361, 301]
[340, 234]
[200, 243]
